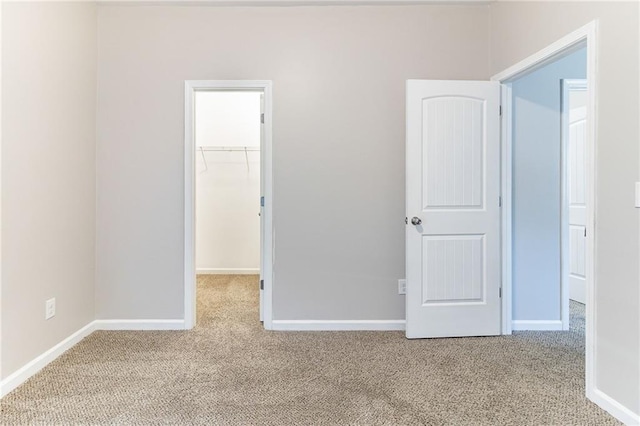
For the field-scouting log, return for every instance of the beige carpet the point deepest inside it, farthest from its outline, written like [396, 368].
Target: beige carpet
[229, 371]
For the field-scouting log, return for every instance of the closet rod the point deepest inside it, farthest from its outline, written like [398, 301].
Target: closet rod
[244, 149]
[229, 148]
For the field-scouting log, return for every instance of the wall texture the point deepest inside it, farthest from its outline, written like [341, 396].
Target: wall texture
[519, 29]
[536, 188]
[339, 80]
[48, 175]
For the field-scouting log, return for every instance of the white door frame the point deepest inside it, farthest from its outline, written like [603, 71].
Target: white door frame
[266, 177]
[586, 35]
[567, 85]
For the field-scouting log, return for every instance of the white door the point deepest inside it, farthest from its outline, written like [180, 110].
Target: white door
[577, 205]
[453, 209]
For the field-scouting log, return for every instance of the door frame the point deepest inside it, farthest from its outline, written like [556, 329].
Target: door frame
[584, 36]
[566, 85]
[266, 179]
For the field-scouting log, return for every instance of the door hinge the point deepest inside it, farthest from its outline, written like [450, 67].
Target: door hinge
[261, 284]
[500, 292]
[500, 201]
[500, 109]
[261, 201]
[585, 231]
[262, 118]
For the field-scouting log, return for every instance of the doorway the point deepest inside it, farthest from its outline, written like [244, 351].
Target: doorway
[542, 241]
[228, 186]
[227, 138]
[584, 38]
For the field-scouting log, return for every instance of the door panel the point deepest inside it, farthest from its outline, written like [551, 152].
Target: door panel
[453, 176]
[453, 270]
[577, 247]
[453, 182]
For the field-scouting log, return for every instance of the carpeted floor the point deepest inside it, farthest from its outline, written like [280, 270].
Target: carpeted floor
[229, 371]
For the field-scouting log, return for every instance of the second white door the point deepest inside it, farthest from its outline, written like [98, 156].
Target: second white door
[575, 90]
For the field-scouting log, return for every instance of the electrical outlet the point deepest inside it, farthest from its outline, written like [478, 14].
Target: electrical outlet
[50, 308]
[402, 286]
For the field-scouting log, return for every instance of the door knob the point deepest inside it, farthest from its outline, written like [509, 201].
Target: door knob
[416, 221]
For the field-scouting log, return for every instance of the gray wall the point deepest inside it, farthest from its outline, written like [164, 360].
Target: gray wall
[339, 118]
[536, 188]
[48, 175]
[519, 29]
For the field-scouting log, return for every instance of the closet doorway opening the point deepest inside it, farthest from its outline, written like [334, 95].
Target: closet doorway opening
[228, 191]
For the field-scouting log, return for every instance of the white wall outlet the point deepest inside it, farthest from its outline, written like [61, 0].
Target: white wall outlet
[50, 308]
[402, 286]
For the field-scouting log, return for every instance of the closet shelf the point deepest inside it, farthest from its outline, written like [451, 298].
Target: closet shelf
[244, 149]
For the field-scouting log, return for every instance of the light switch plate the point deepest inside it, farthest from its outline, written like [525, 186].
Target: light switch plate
[638, 195]
[402, 286]
[50, 308]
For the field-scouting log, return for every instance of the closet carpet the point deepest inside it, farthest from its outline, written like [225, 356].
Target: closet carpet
[229, 371]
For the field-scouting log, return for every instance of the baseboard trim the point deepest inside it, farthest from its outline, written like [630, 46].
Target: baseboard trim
[23, 374]
[537, 325]
[139, 325]
[614, 408]
[228, 271]
[338, 325]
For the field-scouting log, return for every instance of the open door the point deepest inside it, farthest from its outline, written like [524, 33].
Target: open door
[574, 129]
[453, 259]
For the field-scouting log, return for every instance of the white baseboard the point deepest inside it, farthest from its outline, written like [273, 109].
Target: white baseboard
[538, 325]
[23, 374]
[614, 408]
[177, 324]
[339, 325]
[228, 271]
